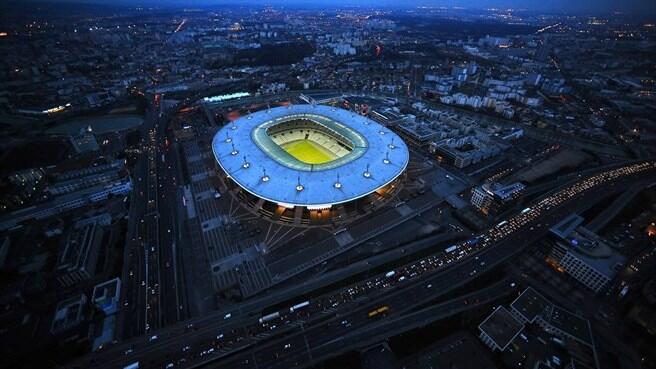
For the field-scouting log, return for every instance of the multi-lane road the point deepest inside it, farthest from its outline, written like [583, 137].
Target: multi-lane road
[342, 335]
[151, 296]
[134, 316]
[442, 271]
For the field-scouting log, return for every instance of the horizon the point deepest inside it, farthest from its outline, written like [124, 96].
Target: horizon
[581, 7]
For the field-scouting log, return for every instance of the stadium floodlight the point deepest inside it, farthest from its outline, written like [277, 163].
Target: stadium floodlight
[299, 186]
[367, 173]
[338, 184]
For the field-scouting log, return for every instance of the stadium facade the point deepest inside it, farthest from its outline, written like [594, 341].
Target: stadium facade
[310, 156]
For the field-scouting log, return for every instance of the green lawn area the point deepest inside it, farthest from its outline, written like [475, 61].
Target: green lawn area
[309, 152]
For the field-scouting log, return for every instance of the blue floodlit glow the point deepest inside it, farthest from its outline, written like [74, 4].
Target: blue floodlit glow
[292, 183]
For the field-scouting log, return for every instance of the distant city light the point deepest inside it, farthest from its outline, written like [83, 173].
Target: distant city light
[651, 229]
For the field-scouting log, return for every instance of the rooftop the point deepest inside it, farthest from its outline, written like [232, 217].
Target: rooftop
[569, 323]
[245, 156]
[595, 251]
[460, 350]
[530, 304]
[567, 225]
[106, 295]
[501, 327]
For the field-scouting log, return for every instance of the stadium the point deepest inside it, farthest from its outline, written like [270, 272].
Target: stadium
[310, 164]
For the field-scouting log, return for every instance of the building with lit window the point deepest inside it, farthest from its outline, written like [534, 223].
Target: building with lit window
[583, 255]
[465, 151]
[64, 203]
[493, 198]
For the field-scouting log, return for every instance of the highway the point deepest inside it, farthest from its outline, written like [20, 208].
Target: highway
[165, 305]
[170, 232]
[455, 267]
[151, 245]
[539, 189]
[131, 289]
[135, 315]
[404, 323]
[150, 297]
[307, 352]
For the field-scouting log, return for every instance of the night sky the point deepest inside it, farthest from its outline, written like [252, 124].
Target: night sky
[565, 6]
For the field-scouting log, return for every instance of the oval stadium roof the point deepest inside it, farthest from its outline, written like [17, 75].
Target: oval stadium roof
[386, 156]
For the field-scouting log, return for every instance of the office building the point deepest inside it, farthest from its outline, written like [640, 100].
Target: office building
[78, 258]
[493, 198]
[583, 255]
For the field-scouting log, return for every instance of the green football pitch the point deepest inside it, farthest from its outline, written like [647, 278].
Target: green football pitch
[309, 152]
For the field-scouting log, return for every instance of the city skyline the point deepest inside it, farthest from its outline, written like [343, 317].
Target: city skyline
[558, 6]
